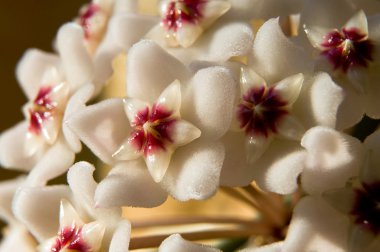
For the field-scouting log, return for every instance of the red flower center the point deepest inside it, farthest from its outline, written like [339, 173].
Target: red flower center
[347, 49]
[42, 109]
[182, 11]
[85, 16]
[260, 111]
[70, 238]
[152, 130]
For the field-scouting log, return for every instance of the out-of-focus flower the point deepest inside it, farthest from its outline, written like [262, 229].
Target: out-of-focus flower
[55, 87]
[46, 212]
[15, 235]
[350, 53]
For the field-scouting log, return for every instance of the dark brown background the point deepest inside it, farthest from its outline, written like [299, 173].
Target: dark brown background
[25, 24]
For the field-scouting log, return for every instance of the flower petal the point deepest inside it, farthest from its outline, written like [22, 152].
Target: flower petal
[371, 101]
[68, 216]
[38, 209]
[321, 226]
[291, 128]
[158, 163]
[133, 108]
[12, 146]
[31, 69]
[278, 169]
[342, 199]
[186, 35]
[92, 234]
[194, 171]
[316, 35]
[250, 79]
[275, 56]
[290, 88]
[76, 61]
[358, 21]
[56, 161]
[18, 239]
[75, 104]
[147, 57]
[319, 101]
[176, 243]
[122, 187]
[184, 133]
[208, 102]
[123, 31]
[333, 158]
[121, 237]
[361, 240]
[7, 190]
[102, 127]
[273, 247]
[170, 98]
[255, 147]
[229, 40]
[235, 165]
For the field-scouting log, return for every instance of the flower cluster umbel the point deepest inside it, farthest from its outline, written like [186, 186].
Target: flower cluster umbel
[258, 99]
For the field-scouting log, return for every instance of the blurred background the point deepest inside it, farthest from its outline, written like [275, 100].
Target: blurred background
[23, 25]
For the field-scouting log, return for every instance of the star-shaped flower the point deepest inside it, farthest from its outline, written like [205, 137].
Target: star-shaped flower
[74, 234]
[279, 99]
[173, 115]
[348, 50]
[65, 218]
[56, 87]
[157, 130]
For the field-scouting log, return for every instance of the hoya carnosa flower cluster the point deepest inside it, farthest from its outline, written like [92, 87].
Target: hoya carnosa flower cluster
[259, 99]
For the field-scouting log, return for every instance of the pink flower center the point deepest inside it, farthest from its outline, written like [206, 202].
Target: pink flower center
[182, 11]
[347, 49]
[260, 111]
[85, 16]
[152, 130]
[42, 109]
[70, 238]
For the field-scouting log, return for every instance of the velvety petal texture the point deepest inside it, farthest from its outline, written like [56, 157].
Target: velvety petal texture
[332, 159]
[176, 243]
[122, 187]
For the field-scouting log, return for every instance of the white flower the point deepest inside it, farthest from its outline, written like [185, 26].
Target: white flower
[193, 171]
[15, 235]
[350, 52]
[176, 243]
[79, 225]
[55, 87]
[156, 130]
[344, 172]
[274, 108]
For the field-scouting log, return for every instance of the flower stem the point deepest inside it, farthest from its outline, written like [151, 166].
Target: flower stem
[186, 220]
[156, 240]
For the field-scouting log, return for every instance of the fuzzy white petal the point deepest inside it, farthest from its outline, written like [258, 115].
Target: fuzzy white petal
[31, 68]
[76, 103]
[122, 187]
[38, 209]
[176, 243]
[278, 169]
[230, 40]
[321, 226]
[194, 171]
[76, 61]
[333, 158]
[102, 127]
[208, 102]
[147, 57]
[12, 146]
[56, 161]
[120, 238]
[275, 56]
